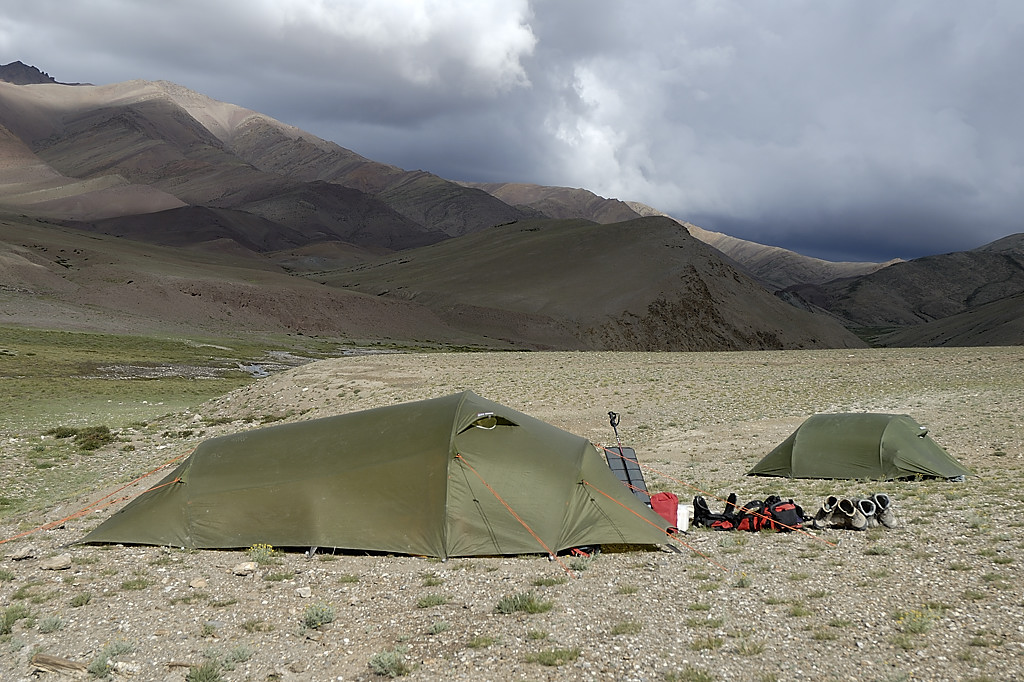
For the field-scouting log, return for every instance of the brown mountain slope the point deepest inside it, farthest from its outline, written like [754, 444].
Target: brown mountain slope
[638, 285]
[177, 144]
[925, 289]
[33, 186]
[421, 197]
[61, 278]
[774, 267]
[559, 202]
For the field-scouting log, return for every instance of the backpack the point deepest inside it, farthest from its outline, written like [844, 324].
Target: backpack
[773, 513]
[786, 515]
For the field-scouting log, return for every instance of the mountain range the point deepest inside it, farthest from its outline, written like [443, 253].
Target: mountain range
[147, 207]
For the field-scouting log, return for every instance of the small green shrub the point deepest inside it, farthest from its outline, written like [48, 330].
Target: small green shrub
[439, 627]
[554, 657]
[221, 603]
[263, 554]
[916, 622]
[627, 627]
[61, 432]
[431, 600]
[745, 648]
[12, 614]
[706, 642]
[390, 663]
[525, 601]
[208, 671]
[138, 583]
[279, 576]
[81, 599]
[257, 625]
[6, 575]
[432, 580]
[482, 641]
[317, 615]
[50, 624]
[93, 437]
[102, 665]
[689, 674]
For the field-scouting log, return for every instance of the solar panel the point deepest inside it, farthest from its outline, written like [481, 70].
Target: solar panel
[623, 463]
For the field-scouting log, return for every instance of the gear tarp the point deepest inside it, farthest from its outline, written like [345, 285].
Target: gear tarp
[439, 477]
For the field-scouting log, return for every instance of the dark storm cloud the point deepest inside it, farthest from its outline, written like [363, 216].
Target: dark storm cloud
[850, 129]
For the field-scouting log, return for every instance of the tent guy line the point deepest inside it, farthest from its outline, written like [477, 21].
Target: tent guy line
[96, 506]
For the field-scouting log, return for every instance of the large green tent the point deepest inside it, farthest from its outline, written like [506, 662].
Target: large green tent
[859, 446]
[451, 476]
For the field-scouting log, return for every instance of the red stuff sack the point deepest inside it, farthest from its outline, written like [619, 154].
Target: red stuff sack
[666, 505]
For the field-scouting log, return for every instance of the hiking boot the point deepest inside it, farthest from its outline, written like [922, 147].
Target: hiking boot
[823, 518]
[851, 517]
[883, 510]
[730, 506]
[867, 508]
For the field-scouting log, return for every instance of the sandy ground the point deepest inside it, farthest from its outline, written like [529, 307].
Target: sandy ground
[937, 598]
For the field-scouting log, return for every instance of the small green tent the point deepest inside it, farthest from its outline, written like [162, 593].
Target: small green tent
[859, 445]
[451, 476]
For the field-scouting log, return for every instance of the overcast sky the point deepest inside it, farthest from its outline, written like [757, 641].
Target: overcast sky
[848, 130]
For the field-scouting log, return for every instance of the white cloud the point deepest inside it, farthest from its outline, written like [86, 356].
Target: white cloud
[425, 42]
[789, 120]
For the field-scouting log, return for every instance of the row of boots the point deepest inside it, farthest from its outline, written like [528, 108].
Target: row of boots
[861, 514]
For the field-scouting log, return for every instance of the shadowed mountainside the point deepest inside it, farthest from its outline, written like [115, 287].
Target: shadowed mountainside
[925, 289]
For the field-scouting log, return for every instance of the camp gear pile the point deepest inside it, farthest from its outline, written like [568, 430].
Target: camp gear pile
[775, 514]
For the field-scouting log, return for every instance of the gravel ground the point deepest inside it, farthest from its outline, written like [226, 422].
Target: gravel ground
[937, 598]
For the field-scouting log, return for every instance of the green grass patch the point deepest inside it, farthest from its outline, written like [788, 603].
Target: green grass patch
[80, 599]
[526, 602]
[627, 627]
[554, 657]
[429, 600]
[138, 583]
[689, 673]
[482, 642]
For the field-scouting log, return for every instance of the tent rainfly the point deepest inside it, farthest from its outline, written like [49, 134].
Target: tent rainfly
[452, 476]
[859, 446]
